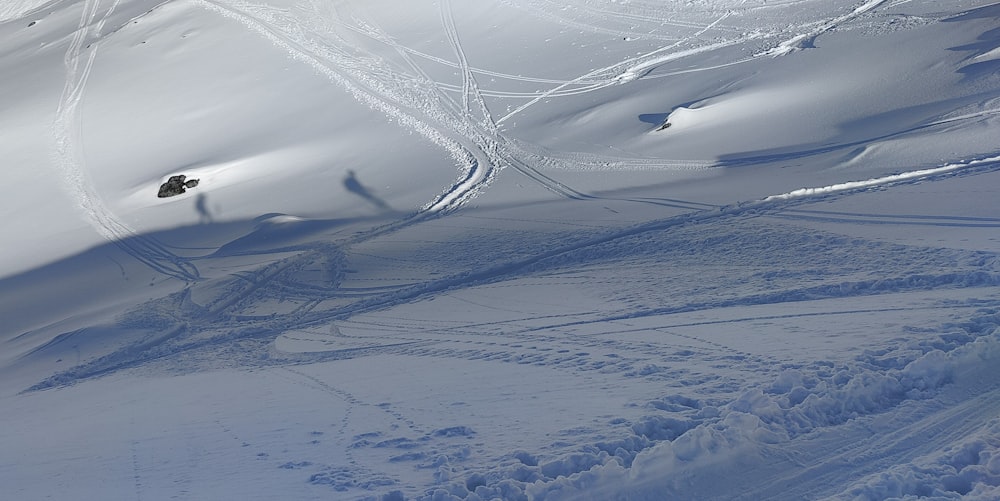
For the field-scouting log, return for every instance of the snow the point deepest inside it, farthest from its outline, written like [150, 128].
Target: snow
[448, 250]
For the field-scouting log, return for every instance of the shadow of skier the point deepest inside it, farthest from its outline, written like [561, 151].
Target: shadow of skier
[201, 205]
[354, 186]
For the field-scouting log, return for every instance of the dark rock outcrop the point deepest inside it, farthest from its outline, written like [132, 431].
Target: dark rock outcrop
[176, 185]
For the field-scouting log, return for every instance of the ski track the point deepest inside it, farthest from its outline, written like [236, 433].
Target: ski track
[70, 158]
[218, 332]
[632, 69]
[640, 66]
[289, 34]
[220, 322]
[803, 40]
[647, 23]
[466, 129]
[309, 285]
[475, 123]
[867, 183]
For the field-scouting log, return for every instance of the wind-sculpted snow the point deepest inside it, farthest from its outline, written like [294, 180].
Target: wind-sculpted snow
[515, 250]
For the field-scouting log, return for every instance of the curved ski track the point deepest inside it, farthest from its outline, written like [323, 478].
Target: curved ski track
[71, 162]
[466, 129]
[225, 327]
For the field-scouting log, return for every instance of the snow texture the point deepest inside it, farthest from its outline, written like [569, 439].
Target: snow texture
[506, 249]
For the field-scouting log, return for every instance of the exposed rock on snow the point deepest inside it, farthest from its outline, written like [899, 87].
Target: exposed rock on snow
[176, 185]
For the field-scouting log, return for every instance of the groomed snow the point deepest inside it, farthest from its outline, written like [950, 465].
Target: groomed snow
[509, 249]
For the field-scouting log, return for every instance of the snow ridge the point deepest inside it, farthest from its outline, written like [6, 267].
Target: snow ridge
[868, 183]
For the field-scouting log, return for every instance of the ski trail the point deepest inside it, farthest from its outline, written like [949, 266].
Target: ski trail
[878, 181]
[488, 145]
[375, 34]
[470, 88]
[636, 67]
[385, 96]
[558, 88]
[435, 89]
[649, 17]
[225, 321]
[506, 153]
[490, 73]
[636, 71]
[631, 68]
[475, 144]
[799, 41]
[486, 137]
[771, 203]
[457, 119]
[70, 158]
[448, 20]
[502, 151]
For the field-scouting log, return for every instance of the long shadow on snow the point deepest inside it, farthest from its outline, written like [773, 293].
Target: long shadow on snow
[986, 42]
[923, 118]
[920, 118]
[280, 273]
[71, 309]
[291, 280]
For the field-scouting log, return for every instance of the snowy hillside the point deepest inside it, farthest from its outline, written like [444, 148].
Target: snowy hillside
[500, 249]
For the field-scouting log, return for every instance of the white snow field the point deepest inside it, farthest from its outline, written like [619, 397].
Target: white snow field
[500, 249]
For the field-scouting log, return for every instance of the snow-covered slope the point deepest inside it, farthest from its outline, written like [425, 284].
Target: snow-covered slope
[511, 249]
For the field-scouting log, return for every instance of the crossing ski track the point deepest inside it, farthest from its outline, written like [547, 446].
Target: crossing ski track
[470, 120]
[473, 142]
[236, 321]
[325, 52]
[640, 66]
[467, 129]
[220, 321]
[632, 19]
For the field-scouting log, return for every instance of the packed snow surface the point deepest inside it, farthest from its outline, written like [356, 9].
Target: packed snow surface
[502, 249]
